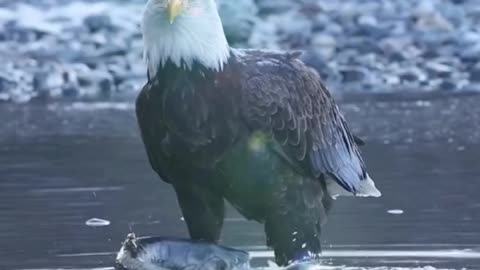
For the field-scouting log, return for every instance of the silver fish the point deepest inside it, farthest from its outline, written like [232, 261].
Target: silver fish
[157, 253]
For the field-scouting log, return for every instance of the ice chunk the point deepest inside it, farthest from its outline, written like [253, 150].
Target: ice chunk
[395, 211]
[97, 222]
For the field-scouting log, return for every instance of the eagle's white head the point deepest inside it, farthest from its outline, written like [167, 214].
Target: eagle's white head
[184, 32]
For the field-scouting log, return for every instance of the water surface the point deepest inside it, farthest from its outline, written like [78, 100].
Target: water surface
[64, 164]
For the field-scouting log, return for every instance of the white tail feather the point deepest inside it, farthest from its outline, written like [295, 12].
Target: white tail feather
[366, 188]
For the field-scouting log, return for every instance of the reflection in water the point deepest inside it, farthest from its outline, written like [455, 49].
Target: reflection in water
[453, 254]
[63, 167]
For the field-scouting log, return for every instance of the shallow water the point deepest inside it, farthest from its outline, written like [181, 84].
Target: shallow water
[64, 166]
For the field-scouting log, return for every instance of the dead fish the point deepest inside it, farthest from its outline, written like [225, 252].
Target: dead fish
[158, 253]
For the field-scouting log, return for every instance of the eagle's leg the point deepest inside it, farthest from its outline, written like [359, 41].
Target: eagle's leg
[203, 211]
[296, 215]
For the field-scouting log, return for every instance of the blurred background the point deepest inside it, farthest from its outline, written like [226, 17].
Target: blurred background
[74, 178]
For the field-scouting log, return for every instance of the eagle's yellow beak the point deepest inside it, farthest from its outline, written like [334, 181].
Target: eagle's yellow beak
[174, 8]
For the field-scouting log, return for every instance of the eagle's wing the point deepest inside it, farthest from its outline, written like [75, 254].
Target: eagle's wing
[152, 132]
[285, 98]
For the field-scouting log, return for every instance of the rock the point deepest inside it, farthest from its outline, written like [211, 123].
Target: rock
[367, 20]
[129, 86]
[274, 6]
[94, 83]
[239, 18]
[390, 79]
[95, 23]
[310, 9]
[5, 84]
[412, 75]
[470, 54]
[473, 87]
[314, 59]
[353, 74]
[475, 74]
[434, 22]
[363, 45]
[324, 45]
[428, 18]
[70, 91]
[46, 80]
[15, 32]
[320, 23]
[334, 28]
[437, 69]
[265, 35]
[398, 49]
[448, 85]
[297, 34]
[467, 39]
[368, 25]
[430, 53]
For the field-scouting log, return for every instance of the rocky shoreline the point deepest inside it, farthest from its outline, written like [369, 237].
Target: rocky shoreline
[59, 49]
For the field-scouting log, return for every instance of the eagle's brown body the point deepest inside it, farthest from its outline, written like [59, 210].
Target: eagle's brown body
[263, 134]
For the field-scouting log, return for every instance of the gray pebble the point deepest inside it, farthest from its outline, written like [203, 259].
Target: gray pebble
[412, 75]
[353, 74]
[475, 74]
[324, 45]
[448, 85]
[438, 69]
[96, 23]
[470, 54]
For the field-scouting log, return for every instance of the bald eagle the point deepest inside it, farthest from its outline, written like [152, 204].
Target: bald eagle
[253, 127]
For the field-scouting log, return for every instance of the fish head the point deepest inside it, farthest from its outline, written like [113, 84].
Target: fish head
[127, 257]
